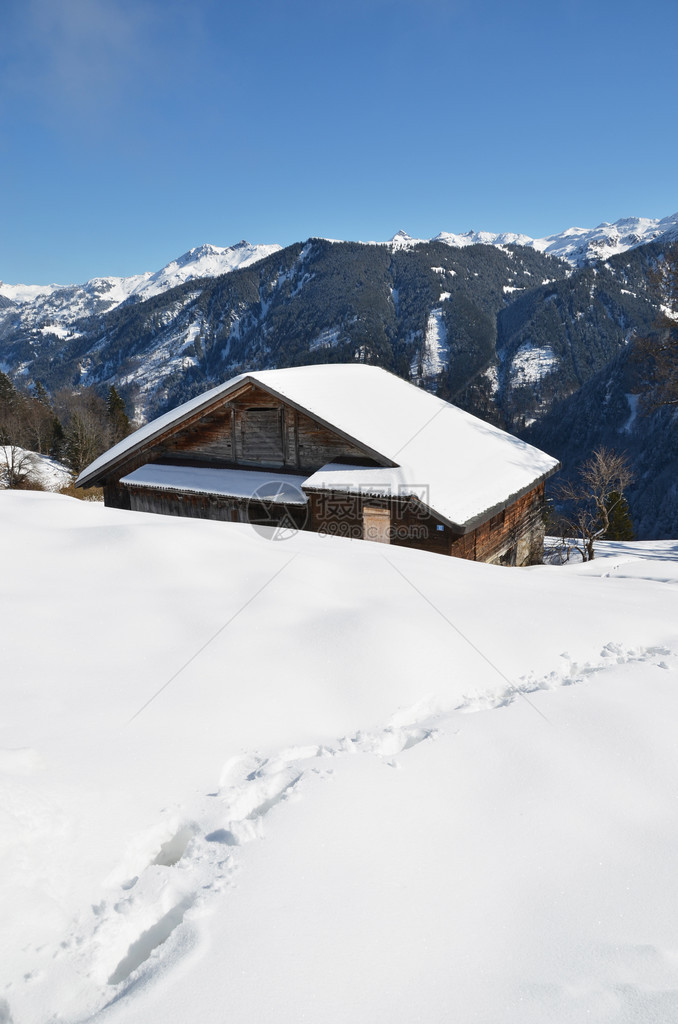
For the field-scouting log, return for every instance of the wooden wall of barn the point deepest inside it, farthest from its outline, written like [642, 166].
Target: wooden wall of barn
[116, 495]
[412, 526]
[513, 537]
[216, 506]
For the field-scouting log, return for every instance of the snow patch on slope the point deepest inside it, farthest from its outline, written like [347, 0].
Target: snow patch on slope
[21, 293]
[46, 471]
[531, 363]
[633, 401]
[327, 339]
[436, 352]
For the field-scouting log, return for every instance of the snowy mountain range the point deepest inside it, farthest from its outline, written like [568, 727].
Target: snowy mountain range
[578, 246]
[58, 305]
[439, 312]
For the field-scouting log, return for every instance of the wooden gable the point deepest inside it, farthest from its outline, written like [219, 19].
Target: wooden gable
[250, 428]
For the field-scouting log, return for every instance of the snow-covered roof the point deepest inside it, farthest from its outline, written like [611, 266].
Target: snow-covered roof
[468, 467]
[232, 483]
[385, 481]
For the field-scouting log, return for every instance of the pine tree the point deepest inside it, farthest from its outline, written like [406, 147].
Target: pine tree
[620, 523]
[118, 418]
[7, 390]
[39, 392]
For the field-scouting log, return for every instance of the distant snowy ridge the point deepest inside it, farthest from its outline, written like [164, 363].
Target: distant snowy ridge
[59, 304]
[576, 245]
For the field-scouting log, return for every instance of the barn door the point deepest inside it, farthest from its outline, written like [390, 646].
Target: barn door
[262, 436]
[377, 524]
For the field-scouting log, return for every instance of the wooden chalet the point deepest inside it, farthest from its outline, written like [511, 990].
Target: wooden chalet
[346, 449]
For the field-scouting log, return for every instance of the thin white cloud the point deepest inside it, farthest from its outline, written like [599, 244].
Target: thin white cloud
[76, 55]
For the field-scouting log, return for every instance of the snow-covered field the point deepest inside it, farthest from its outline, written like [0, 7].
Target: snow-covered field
[246, 780]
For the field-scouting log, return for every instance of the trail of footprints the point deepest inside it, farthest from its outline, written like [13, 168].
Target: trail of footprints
[119, 940]
[200, 859]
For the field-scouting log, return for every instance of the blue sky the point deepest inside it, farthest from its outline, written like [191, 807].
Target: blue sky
[132, 130]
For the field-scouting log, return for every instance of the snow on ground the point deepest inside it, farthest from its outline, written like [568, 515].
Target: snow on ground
[491, 375]
[26, 292]
[633, 401]
[48, 472]
[57, 329]
[329, 337]
[435, 353]
[532, 362]
[251, 780]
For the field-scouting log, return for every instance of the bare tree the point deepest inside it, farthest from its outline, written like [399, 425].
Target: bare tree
[17, 466]
[87, 429]
[38, 425]
[587, 502]
[15, 462]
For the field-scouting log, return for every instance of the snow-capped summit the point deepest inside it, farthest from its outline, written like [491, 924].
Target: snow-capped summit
[584, 245]
[401, 240]
[20, 293]
[203, 261]
[53, 308]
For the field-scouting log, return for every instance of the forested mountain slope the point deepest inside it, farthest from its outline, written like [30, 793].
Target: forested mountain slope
[502, 330]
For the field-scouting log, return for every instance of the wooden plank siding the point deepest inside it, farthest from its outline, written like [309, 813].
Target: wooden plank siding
[411, 526]
[214, 506]
[515, 537]
[284, 438]
[211, 437]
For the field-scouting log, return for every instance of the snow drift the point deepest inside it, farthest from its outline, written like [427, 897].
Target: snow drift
[322, 779]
